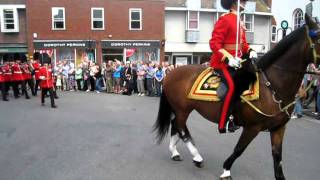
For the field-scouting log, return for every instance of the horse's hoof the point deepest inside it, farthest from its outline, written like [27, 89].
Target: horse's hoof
[226, 178]
[198, 164]
[176, 158]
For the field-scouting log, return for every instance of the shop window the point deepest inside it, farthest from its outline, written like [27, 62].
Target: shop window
[248, 20]
[58, 18]
[193, 20]
[9, 20]
[297, 18]
[273, 33]
[135, 19]
[97, 18]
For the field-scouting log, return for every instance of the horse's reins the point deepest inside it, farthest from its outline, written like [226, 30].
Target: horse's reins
[268, 83]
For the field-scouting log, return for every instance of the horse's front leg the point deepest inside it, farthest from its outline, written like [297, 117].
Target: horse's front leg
[248, 134]
[276, 142]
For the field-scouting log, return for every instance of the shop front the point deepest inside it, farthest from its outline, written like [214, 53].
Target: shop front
[11, 48]
[131, 50]
[74, 51]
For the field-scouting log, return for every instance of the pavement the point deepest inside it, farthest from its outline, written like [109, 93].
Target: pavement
[109, 137]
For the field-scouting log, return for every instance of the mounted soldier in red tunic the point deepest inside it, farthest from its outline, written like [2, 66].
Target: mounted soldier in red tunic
[229, 44]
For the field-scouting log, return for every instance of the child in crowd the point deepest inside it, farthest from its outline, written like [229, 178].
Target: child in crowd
[59, 82]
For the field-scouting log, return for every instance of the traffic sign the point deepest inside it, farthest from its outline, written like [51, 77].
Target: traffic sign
[284, 24]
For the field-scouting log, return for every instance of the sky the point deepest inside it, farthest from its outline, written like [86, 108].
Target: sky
[283, 9]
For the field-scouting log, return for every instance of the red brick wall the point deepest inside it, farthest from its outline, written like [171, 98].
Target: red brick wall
[19, 37]
[78, 21]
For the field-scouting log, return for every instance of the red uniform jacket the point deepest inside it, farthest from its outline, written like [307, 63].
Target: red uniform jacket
[45, 74]
[36, 67]
[223, 41]
[26, 71]
[2, 79]
[7, 72]
[17, 72]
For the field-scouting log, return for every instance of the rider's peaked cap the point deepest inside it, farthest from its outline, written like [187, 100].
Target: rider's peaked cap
[226, 4]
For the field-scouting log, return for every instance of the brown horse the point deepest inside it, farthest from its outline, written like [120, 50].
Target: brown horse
[280, 75]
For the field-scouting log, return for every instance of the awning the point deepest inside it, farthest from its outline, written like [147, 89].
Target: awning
[13, 48]
[187, 47]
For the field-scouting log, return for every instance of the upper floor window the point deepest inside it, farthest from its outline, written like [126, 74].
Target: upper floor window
[9, 20]
[58, 18]
[97, 18]
[248, 20]
[273, 33]
[193, 20]
[135, 19]
[297, 18]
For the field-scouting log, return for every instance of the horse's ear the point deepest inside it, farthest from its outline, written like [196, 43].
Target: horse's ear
[310, 23]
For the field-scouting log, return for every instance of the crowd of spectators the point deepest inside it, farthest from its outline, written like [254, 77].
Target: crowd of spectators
[143, 78]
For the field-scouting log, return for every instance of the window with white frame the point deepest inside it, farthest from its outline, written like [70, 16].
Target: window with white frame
[248, 20]
[193, 20]
[135, 19]
[297, 18]
[58, 18]
[273, 33]
[9, 20]
[97, 18]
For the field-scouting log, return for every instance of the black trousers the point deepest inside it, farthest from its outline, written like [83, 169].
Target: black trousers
[36, 87]
[31, 85]
[3, 91]
[44, 92]
[23, 87]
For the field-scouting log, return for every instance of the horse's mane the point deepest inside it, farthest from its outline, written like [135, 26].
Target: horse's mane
[283, 45]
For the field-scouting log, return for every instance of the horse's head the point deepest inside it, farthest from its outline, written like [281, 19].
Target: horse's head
[314, 39]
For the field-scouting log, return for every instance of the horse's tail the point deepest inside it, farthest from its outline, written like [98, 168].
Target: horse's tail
[164, 118]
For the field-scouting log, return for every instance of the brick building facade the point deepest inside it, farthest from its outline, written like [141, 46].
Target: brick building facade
[13, 34]
[99, 30]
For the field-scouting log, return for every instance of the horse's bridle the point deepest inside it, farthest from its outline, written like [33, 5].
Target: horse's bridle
[310, 34]
[315, 55]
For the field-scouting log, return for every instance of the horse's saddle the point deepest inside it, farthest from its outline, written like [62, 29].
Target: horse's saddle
[210, 86]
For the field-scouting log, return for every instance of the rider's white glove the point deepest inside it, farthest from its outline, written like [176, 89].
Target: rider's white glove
[234, 62]
[253, 54]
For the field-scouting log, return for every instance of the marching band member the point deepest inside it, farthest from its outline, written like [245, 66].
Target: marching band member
[36, 66]
[18, 78]
[46, 77]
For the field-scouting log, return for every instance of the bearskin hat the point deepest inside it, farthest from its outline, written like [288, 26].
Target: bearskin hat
[226, 4]
[16, 56]
[23, 58]
[36, 56]
[45, 58]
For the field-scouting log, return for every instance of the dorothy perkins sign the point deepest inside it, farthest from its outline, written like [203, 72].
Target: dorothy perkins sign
[129, 44]
[64, 44]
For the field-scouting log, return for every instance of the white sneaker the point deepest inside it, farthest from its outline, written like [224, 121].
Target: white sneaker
[139, 94]
[88, 90]
[294, 117]
[142, 94]
[98, 92]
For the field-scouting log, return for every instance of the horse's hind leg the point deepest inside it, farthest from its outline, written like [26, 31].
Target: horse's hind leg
[179, 130]
[187, 139]
[174, 139]
[276, 142]
[248, 134]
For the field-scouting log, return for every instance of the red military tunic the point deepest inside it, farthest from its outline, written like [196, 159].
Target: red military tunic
[7, 72]
[26, 71]
[17, 72]
[45, 74]
[36, 67]
[2, 78]
[223, 41]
